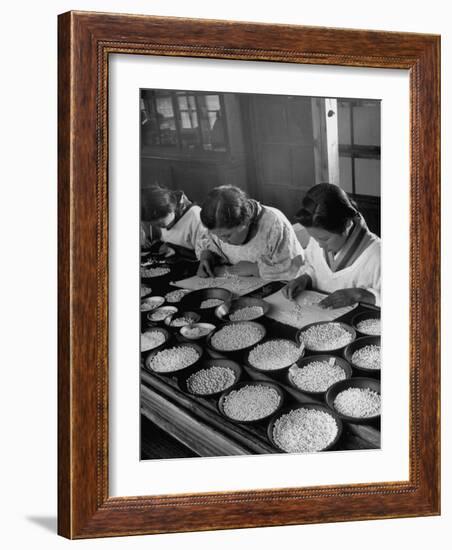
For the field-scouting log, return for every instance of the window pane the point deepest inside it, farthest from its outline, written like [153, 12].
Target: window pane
[166, 120]
[213, 102]
[345, 174]
[344, 123]
[192, 121]
[367, 175]
[157, 119]
[366, 123]
[212, 123]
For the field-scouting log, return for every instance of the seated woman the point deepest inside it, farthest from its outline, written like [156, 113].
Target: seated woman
[342, 256]
[168, 216]
[246, 238]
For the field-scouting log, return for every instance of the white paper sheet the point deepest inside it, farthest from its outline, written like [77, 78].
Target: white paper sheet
[235, 284]
[304, 310]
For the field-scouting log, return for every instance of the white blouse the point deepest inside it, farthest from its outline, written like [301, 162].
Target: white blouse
[186, 232]
[275, 248]
[364, 273]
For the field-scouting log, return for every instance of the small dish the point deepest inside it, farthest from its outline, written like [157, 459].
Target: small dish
[197, 331]
[228, 309]
[159, 314]
[150, 303]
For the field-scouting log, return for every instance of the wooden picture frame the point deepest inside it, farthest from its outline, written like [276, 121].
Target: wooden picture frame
[86, 40]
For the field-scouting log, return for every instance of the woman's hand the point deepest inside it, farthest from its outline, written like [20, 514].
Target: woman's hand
[164, 250]
[296, 287]
[207, 264]
[221, 270]
[347, 297]
[244, 269]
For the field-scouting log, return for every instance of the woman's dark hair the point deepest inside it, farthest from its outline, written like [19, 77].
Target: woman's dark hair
[326, 206]
[157, 202]
[226, 206]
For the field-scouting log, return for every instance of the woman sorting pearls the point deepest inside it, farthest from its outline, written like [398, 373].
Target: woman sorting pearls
[246, 238]
[169, 217]
[342, 256]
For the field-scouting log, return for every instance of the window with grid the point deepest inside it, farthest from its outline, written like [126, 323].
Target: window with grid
[182, 120]
[359, 146]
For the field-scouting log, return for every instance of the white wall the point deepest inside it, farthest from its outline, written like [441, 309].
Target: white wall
[28, 269]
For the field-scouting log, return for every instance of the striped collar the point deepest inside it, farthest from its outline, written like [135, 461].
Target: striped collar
[357, 241]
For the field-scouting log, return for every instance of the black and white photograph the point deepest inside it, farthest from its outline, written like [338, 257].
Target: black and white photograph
[260, 270]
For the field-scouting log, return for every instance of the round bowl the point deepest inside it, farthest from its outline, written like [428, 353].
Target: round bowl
[224, 311]
[177, 372]
[151, 303]
[204, 330]
[145, 291]
[280, 370]
[207, 363]
[362, 383]
[239, 350]
[183, 292]
[169, 310]
[346, 327]
[307, 360]
[363, 316]
[147, 279]
[310, 406]
[191, 317]
[251, 383]
[165, 333]
[194, 300]
[355, 346]
[153, 258]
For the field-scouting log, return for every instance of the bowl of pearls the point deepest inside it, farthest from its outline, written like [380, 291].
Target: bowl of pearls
[356, 400]
[274, 355]
[211, 377]
[364, 355]
[367, 323]
[326, 336]
[308, 428]
[239, 337]
[251, 402]
[242, 309]
[316, 373]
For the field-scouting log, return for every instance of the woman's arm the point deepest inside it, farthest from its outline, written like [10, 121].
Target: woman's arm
[347, 297]
[283, 257]
[244, 269]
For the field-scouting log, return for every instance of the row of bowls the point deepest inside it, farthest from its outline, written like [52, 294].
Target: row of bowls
[243, 353]
[183, 376]
[282, 374]
[191, 304]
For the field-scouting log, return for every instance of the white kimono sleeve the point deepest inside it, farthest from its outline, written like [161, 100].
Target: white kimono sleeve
[283, 258]
[372, 277]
